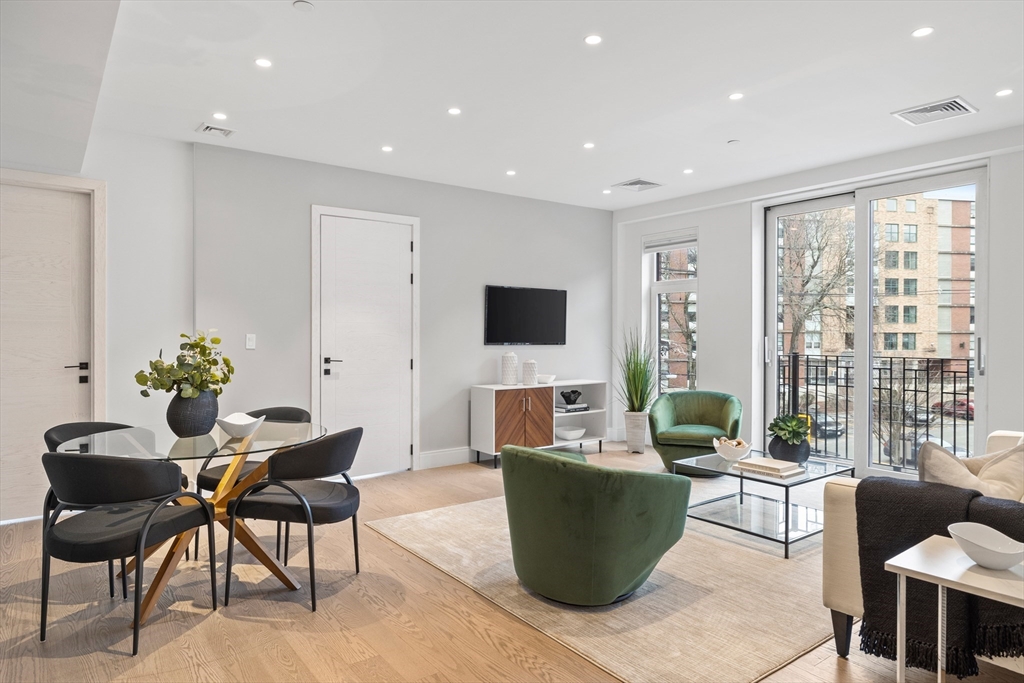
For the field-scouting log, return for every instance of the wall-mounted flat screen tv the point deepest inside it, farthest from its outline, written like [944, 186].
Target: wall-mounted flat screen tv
[520, 315]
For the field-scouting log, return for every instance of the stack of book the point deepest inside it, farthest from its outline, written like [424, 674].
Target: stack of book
[768, 467]
[574, 408]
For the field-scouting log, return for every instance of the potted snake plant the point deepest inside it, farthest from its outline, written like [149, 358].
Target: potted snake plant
[196, 377]
[636, 387]
[789, 438]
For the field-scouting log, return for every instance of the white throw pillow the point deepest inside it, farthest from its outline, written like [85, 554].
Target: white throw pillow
[1002, 476]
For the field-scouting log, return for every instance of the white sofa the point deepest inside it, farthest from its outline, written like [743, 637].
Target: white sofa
[841, 560]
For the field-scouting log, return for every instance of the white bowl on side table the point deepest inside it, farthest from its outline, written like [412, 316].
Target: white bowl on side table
[239, 425]
[570, 433]
[545, 379]
[987, 547]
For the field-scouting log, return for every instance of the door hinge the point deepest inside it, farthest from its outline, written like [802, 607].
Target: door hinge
[410, 363]
[410, 449]
[410, 245]
[410, 278]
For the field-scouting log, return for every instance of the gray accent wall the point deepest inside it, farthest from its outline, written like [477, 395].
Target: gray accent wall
[252, 275]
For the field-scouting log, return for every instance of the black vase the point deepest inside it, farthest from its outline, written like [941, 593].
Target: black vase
[780, 449]
[570, 397]
[192, 416]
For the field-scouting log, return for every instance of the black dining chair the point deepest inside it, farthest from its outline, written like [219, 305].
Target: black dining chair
[126, 506]
[306, 497]
[209, 477]
[62, 433]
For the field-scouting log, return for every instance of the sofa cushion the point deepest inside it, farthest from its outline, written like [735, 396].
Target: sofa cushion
[1001, 475]
[691, 435]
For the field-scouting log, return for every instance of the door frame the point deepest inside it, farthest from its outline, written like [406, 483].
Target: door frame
[96, 191]
[317, 213]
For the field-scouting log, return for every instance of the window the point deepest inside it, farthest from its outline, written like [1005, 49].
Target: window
[890, 341]
[850, 314]
[892, 259]
[909, 232]
[910, 205]
[892, 232]
[848, 340]
[812, 341]
[972, 315]
[892, 285]
[910, 260]
[909, 341]
[890, 204]
[910, 287]
[910, 314]
[674, 317]
[972, 265]
[892, 314]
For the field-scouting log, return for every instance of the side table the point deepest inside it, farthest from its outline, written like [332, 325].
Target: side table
[939, 560]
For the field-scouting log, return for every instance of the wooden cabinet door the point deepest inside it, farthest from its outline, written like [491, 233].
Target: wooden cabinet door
[509, 407]
[540, 417]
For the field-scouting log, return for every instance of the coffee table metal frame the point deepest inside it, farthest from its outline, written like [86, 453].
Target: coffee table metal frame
[816, 469]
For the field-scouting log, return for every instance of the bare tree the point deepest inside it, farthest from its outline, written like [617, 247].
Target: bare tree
[816, 266]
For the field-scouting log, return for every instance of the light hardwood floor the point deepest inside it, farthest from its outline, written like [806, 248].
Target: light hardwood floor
[400, 619]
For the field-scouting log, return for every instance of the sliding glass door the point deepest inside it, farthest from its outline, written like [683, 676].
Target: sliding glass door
[871, 320]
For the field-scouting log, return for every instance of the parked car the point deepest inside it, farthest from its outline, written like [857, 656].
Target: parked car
[961, 407]
[914, 416]
[825, 426]
[920, 441]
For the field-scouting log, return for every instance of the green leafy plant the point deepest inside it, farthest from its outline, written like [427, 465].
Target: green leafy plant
[790, 428]
[636, 363]
[199, 367]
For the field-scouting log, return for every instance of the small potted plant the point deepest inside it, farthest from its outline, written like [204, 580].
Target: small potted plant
[196, 377]
[789, 438]
[636, 388]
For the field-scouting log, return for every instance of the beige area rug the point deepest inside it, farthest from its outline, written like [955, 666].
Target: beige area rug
[720, 607]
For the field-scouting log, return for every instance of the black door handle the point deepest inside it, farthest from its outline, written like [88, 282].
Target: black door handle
[80, 366]
[327, 359]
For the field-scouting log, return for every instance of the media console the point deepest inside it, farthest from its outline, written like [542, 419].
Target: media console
[521, 415]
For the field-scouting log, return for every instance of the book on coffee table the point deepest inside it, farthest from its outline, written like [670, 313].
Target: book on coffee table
[770, 467]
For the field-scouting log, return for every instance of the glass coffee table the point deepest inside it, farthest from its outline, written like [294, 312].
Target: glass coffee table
[769, 518]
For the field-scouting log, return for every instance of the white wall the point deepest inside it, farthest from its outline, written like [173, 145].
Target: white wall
[253, 276]
[730, 271]
[149, 260]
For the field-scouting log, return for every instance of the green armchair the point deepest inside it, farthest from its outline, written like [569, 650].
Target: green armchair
[683, 423]
[584, 534]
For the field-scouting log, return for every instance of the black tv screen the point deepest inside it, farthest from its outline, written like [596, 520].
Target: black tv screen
[519, 315]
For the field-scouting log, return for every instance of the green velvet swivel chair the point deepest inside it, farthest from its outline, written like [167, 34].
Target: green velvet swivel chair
[583, 534]
[683, 423]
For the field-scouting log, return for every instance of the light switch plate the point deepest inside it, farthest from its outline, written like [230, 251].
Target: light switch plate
[250, 341]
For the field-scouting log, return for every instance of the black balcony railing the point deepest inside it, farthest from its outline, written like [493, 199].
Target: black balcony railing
[914, 400]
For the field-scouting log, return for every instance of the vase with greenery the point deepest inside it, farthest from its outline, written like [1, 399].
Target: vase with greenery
[636, 387]
[196, 377]
[789, 438]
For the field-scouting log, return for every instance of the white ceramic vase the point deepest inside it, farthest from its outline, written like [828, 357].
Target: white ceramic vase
[529, 372]
[636, 431]
[509, 368]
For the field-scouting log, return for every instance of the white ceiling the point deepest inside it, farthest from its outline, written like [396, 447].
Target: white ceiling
[819, 78]
[52, 56]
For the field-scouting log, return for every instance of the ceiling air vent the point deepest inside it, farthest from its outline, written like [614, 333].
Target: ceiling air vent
[637, 185]
[214, 130]
[936, 111]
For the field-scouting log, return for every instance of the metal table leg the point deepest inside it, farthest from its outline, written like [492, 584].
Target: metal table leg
[941, 643]
[786, 518]
[901, 629]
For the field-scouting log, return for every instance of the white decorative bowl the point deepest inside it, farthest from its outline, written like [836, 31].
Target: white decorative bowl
[986, 546]
[570, 433]
[239, 425]
[730, 452]
[545, 379]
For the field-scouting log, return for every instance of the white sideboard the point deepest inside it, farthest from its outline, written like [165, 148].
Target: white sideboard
[524, 415]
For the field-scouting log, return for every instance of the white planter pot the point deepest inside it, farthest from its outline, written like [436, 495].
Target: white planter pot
[636, 431]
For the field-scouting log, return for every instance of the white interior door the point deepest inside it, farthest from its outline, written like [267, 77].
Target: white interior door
[366, 332]
[45, 325]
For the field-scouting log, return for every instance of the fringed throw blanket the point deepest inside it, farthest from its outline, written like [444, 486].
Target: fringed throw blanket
[999, 630]
[892, 516]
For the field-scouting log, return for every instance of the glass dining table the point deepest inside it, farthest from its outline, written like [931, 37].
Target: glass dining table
[158, 442]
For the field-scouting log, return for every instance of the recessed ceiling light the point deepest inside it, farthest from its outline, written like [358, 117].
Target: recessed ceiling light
[510, 172]
[687, 170]
[454, 111]
[219, 116]
[386, 148]
[262, 61]
[606, 191]
[1004, 93]
[922, 32]
[736, 96]
[303, 5]
[592, 40]
[588, 145]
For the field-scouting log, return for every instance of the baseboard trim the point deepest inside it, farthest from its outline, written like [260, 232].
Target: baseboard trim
[446, 457]
[19, 520]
